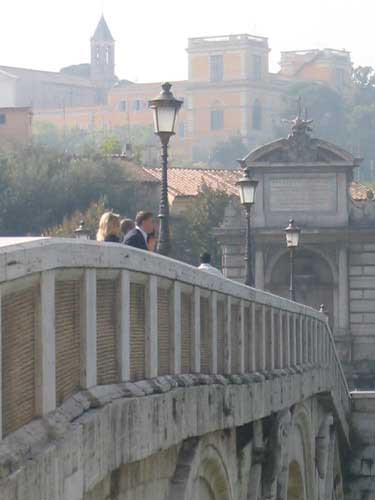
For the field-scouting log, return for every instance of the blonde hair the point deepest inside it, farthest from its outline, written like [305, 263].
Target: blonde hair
[109, 224]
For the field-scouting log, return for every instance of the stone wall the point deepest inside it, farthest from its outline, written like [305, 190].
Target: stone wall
[362, 311]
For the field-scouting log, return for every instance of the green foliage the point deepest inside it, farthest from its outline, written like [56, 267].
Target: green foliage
[193, 232]
[91, 217]
[110, 145]
[39, 187]
[87, 142]
[225, 153]
[323, 104]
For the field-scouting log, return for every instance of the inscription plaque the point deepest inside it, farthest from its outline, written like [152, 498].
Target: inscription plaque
[308, 194]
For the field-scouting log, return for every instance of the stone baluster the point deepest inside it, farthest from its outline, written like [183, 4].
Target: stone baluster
[45, 346]
[281, 343]
[252, 338]
[271, 334]
[293, 360]
[175, 352]
[242, 333]
[262, 339]
[151, 338]
[214, 328]
[287, 336]
[123, 318]
[228, 336]
[196, 344]
[88, 332]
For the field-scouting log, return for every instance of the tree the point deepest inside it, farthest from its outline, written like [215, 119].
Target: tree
[225, 153]
[91, 218]
[39, 188]
[193, 232]
[364, 86]
[110, 145]
[323, 104]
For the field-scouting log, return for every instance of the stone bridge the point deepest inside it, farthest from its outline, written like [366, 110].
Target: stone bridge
[129, 376]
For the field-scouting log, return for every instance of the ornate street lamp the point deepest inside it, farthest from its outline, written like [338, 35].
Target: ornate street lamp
[165, 108]
[246, 187]
[292, 233]
[81, 233]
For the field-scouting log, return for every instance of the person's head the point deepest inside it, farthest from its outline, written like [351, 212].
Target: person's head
[126, 226]
[109, 225]
[205, 258]
[145, 221]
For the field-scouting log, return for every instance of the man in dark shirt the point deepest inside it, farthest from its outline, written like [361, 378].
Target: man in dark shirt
[144, 225]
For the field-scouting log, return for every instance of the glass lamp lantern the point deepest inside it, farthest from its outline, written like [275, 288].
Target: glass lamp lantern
[292, 233]
[165, 108]
[247, 187]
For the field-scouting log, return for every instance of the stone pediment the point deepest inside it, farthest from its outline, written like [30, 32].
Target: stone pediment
[299, 147]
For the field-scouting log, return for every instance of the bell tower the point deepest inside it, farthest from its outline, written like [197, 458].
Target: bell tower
[102, 67]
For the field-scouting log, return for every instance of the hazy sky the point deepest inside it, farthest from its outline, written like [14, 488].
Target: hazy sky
[151, 35]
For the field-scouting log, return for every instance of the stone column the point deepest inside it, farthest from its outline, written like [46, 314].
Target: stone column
[259, 269]
[343, 293]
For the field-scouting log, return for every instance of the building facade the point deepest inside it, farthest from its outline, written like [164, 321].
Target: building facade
[230, 91]
[15, 126]
[20, 87]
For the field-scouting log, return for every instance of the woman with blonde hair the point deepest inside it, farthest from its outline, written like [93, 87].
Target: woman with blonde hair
[109, 228]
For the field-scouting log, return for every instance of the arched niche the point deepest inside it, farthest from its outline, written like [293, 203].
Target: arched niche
[314, 279]
[295, 482]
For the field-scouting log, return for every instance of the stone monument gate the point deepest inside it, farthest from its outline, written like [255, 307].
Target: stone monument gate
[311, 181]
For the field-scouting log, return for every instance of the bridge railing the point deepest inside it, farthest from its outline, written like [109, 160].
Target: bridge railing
[79, 314]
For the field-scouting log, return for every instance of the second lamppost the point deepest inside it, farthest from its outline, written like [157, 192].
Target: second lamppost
[165, 108]
[247, 187]
[292, 233]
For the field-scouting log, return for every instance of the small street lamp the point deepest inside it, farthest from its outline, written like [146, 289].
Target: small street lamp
[246, 187]
[165, 108]
[292, 233]
[81, 233]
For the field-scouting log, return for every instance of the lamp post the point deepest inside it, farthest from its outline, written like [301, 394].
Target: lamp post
[292, 233]
[246, 187]
[81, 233]
[165, 108]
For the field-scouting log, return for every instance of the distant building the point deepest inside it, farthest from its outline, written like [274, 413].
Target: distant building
[47, 89]
[230, 91]
[15, 125]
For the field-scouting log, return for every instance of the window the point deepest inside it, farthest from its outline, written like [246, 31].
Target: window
[3, 119]
[181, 130]
[340, 77]
[216, 68]
[257, 115]
[136, 105]
[257, 67]
[121, 106]
[107, 55]
[217, 119]
[97, 55]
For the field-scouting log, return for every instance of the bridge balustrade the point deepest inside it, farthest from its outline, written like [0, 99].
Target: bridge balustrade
[79, 314]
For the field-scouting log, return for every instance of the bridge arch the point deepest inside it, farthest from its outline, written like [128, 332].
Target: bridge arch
[202, 473]
[301, 468]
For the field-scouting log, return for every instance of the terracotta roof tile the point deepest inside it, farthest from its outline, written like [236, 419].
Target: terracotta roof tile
[189, 181]
[359, 192]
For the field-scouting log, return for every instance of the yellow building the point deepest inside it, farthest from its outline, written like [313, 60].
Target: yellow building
[229, 91]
